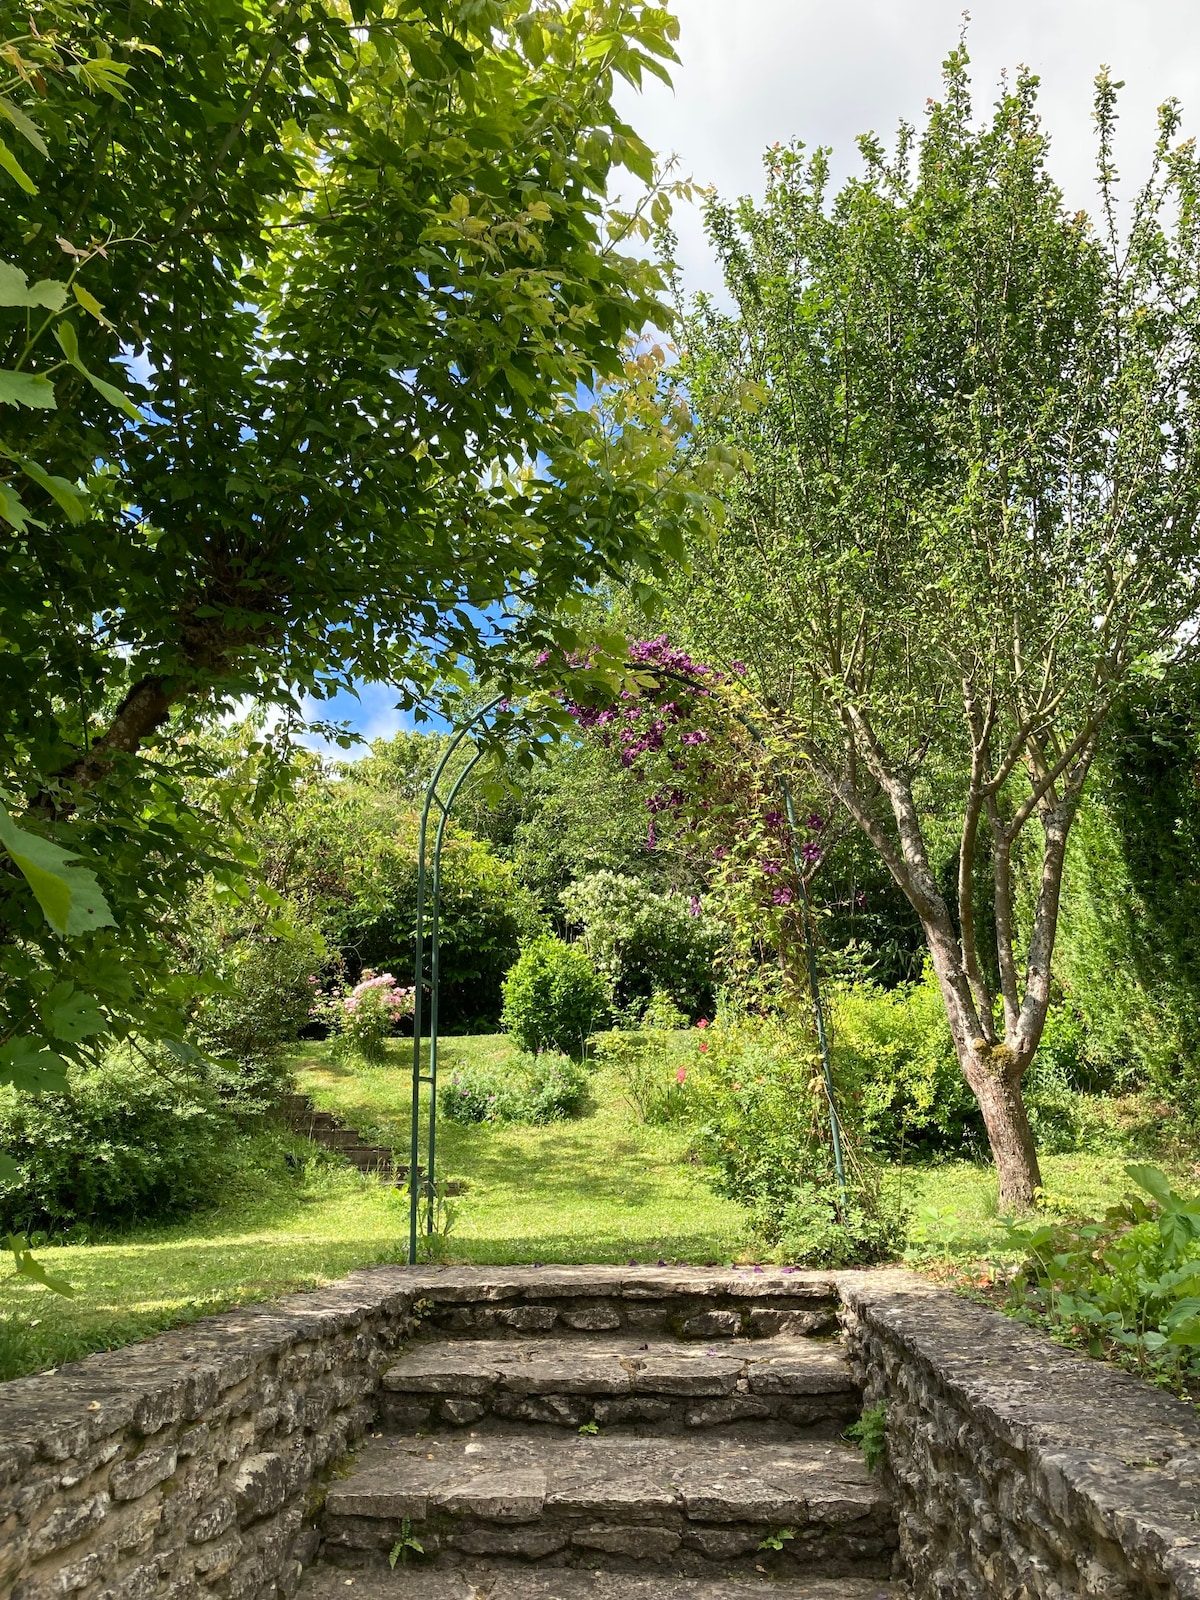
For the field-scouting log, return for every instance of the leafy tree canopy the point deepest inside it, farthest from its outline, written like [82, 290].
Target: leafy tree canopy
[964, 516]
[298, 300]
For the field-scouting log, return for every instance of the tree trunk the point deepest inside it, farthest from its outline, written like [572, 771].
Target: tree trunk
[997, 1086]
[993, 1073]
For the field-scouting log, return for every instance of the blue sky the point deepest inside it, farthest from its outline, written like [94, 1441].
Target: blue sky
[764, 70]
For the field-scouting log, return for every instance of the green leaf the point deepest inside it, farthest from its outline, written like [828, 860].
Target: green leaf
[69, 896]
[9, 1170]
[66, 495]
[28, 1267]
[69, 344]
[15, 170]
[27, 128]
[71, 1015]
[26, 389]
[30, 1065]
[15, 290]
[1156, 1184]
[14, 510]
[90, 304]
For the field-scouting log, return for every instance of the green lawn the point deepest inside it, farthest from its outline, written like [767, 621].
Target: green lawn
[600, 1188]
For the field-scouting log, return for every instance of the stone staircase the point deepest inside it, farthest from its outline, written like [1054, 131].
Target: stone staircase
[323, 1128]
[587, 1432]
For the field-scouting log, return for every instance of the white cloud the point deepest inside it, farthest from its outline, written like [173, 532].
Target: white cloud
[373, 713]
[757, 71]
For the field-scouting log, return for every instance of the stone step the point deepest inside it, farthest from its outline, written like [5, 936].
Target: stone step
[702, 1303]
[564, 1583]
[699, 1505]
[621, 1381]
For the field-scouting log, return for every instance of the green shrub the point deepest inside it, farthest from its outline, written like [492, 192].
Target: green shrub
[259, 967]
[540, 1088]
[348, 852]
[903, 1093]
[757, 1090]
[126, 1145]
[815, 1230]
[649, 1066]
[898, 1078]
[553, 997]
[663, 1014]
[645, 943]
[1127, 1286]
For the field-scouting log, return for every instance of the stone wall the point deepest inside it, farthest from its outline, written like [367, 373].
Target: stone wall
[190, 1466]
[1021, 1471]
[186, 1464]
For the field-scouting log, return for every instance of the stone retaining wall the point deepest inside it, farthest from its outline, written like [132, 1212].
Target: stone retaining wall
[1021, 1471]
[189, 1466]
[185, 1465]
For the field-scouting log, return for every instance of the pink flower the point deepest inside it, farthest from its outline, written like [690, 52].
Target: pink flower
[694, 906]
[703, 1046]
[681, 1075]
[781, 896]
[703, 1023]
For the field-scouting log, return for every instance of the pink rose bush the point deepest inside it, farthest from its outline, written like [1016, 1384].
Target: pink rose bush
[363, 1018]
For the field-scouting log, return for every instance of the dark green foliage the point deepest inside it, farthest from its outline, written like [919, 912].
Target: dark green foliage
[261, 968]
[535, 1088]
[127, 1145]
[645, 942]
[346, 852]
[1128, 1285]
[899, 1082]
[1130, 948]
[361, 260]
[816, 1229]
[582, 812]
[553, 997]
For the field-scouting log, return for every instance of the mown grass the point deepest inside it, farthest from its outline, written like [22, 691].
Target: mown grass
[601, 1188]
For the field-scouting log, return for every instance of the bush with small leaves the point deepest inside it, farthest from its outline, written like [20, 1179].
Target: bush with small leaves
[541, 1088]
[553, 997]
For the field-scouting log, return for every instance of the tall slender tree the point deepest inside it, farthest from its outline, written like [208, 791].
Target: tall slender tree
[963, 515]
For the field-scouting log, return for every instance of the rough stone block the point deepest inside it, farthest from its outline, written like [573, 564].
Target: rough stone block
[129, 1480]
[214, 1520]
[218, 1557]
[459, 1413]
[712, 1325]
[259, 1485]
[638, 1542]
[529, 1319]
[66, 1524]
[591, 1319]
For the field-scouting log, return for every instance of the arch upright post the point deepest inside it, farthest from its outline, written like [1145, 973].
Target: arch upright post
[432, 798]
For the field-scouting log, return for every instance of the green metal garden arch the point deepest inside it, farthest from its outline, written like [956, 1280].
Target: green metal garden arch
[426, 1179]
